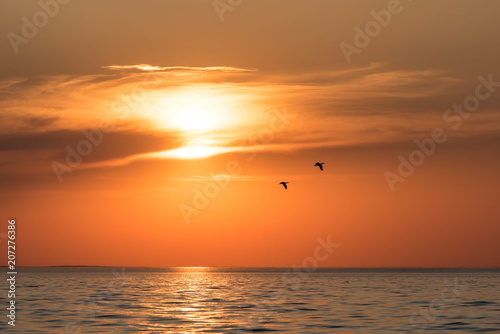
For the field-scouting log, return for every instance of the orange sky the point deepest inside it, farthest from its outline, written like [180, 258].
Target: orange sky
[161, 101]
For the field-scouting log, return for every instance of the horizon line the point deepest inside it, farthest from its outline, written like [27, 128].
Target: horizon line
[248, 267]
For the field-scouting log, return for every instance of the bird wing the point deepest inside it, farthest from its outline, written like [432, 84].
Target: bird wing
[321, 167]
[284, 185]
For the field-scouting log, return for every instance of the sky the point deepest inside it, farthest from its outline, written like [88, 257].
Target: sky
[156, 133]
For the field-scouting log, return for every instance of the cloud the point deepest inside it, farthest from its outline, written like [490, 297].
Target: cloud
[28, 157]
[377, 104]
[152, 68]
[109, 146]
[35, 122]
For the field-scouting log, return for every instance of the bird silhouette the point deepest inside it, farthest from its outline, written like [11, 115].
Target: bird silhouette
[284, 184]
[320, 165]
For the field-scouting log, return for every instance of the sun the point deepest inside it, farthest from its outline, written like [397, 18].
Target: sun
[193, 116]
[208, 120]
[194, 111]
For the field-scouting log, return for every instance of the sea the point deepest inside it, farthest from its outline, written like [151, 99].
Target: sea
[242, 300]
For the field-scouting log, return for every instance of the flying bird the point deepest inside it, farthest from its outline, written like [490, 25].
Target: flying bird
[320, 165]
[284, 184]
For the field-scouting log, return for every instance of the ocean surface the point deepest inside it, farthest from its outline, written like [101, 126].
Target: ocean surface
[232, 300]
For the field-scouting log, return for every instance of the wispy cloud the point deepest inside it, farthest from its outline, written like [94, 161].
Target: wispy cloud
[374, 105]
[152, 68]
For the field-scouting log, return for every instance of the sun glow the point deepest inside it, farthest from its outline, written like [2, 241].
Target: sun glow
[208, 119]
[194, 117]
[193, 152]
[196, 110]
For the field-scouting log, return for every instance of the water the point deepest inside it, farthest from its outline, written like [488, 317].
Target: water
[197, 300]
